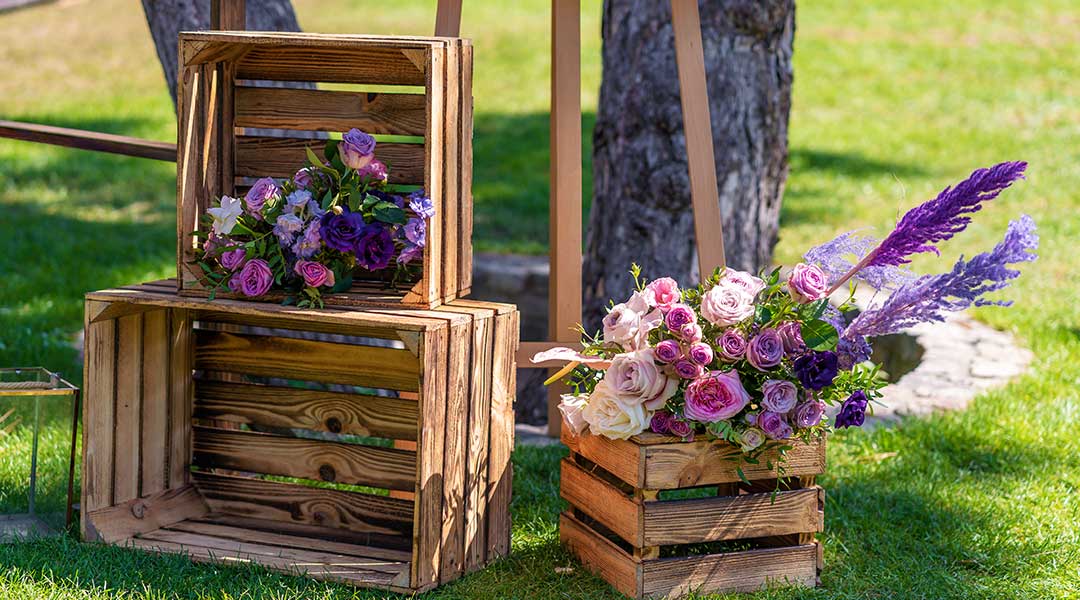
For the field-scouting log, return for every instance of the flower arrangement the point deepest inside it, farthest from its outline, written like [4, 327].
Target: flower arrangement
[755, 360]
[308, 234]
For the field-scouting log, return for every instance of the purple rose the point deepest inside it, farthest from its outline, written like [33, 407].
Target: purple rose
[853, 410]
[766, 350]
[374, 171]
[232, 259]
[661, 419]
[688, 370]
[263, 190]
[808, 414]
[667, 351]
[375, 248]
[421, 205]
[356, 149]
[679, 315]
[807, 283]
[816, 370]
[791, 333]
[773, 425]
[732, 345]
[302, 179]
[701, 353]
[691, 332]
[342, 232]
[681, 428]
[255, 278]
[416, 232]
[314, 274]
[409, 254]
[716, 397]
[779, 396]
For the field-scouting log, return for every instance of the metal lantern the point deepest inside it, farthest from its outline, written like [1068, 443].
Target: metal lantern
[38, 426]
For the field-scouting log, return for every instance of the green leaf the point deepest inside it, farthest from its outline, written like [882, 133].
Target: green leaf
[762, 314]
[813, 310]
[328, 199]
[354, 200]
[388, 212]
[312, 157]
[331, 150]
[819, 335]
[343, 282]
[337, 164]
[742, 476]
[370, 201]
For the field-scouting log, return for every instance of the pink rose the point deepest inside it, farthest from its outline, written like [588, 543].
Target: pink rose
[779, 395]
[690, 333]
[628, 324]
[635, 379]
[667, 351]
[773, 425]
[374, 171]
[263, 190]
[700, 353]
[726, 304]
[255, 278]
[679, 315]
[232, 259]
[807, 283]
[732, 345]
[716, 397]
[315, 274]
[686, 369]
[665, 292]
[571, 407]
[741, 279]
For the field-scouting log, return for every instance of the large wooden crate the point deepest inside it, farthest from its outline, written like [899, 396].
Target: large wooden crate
[380, 459]
[633, 521]
[414, 94]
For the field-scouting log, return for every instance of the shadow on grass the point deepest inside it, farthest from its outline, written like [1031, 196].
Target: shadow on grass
[848, 164]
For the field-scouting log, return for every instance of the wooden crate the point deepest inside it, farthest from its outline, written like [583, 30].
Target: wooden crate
[416, 89]
[202, 440]
[625, 526]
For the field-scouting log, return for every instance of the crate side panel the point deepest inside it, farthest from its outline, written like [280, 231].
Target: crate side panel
[501, 444]
[98, 415]
[746, 571]
[128, 407]
[451, 556]
[730, 517]
[686, 464]
[181, 361]
[479, 432]
[465, 173]
[601, 501]
[621, 458]
[599, 555]
[359, 63]
[155, 402]
[325, 110]
[430, 448]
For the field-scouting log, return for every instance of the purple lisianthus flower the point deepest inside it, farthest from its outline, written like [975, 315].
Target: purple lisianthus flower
[779, 395]
[263, 190]
[416, 231]
[254, 279]
[303, 179]
[732, 345]
[374, 248]
[807, 414]
[421, 205]
[701, 354]
[286, 227]
[410, 253]
[232, 259]
[297, 200]
[315, 210]
[681, 428]
[852, 411]
[356, 149]
[660, 422]
[667, 351]
[309, 243]
[816, 370]
[791, 333]
[774, 425]
[766, 350]
[342, 232]
[678, 316]
[687, 369]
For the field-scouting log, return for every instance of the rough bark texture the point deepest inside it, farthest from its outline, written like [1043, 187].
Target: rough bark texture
[641, 191]
[167, 18]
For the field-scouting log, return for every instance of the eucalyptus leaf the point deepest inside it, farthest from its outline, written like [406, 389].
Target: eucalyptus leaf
[819, 335]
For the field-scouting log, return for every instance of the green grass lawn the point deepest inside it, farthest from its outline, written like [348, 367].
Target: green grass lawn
[893, 100]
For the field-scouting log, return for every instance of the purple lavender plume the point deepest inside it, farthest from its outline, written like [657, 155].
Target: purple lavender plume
[929, 296]
[832, 257]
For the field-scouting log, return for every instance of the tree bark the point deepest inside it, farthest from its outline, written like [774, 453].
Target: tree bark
[641, 208]
[167, 18]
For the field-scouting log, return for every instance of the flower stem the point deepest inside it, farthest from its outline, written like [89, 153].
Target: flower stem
[851, 273]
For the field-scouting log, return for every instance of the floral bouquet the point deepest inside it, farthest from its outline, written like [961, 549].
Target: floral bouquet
[309, 233]
[754, 361]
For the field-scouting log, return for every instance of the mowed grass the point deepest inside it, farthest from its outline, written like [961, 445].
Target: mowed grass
[893, 100]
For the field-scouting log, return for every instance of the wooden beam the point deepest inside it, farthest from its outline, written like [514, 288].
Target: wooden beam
[704, 196]
[564, 296]
[228, 15]
[88, 140]
[448, 18]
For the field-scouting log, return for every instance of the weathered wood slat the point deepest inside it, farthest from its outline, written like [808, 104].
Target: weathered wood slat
[306, 360]
[395, 544]
[294, 408]
[181, 358]
[371, 65]
[99, 376]
[729, 517]
[304, 458]
[128, 407]
[619, 458]
[155, 401]
[427, 535]
[88, 140]
[745, 571]
[282, 157]
[450, 179]
[669, 466]
[599, 555]
[500, 468]
[465, 171]
[479, 431]
[141, 515]
[452, 554]
[323, 110]
[601, 501]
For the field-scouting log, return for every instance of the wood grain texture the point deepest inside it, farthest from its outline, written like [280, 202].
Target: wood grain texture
[465, 173]
[323, 110]
[317, 460]
[140, 515]
[601, 501]
[306, 360]
[622, 459]
[189, 171]
[730, 517]
[459, 356]
[281, 157]
[99, 377]
[479, 431]
[501, 442]
[155, 402]
[294, 408]
[128, 407]
[451, 192]
[362, 513]
[599, 555]
[88, 140]
[746, 571]
[377, 65]
[427, 529]
[669, 466]
[181, 359]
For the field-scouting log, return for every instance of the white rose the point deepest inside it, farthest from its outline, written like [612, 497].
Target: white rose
[635, 379]
[611, 418]
[752, 285]
[726, 304]
[628, 324]
[571, 408]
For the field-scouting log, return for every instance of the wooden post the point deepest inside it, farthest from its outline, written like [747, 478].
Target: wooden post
[690, 59]
[228, 15]
[564, 287]
[448, 18]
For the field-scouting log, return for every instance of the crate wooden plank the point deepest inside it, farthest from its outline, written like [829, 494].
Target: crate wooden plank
[599, 555]
[281, 157]
[452, 559]
[247, 534]
[294, 408]
[371, 65]
[189, 163]
[745, 571]
[430, 286]
[601, 501]
[501, 444]
[155, 402]
[479, 430]
[618, 457]
[669, 466]
[465, 170]
[431, 445]
[324, 110]
[98, 414]
[301, 504]
[317, 460]
[128, 407]
[306, 360]
[451, 191]
[396, 544]
[140, 515]
[729, 517]
[181, 359]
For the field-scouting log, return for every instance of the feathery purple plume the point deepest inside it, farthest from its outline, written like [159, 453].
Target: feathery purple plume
[833, 258]
[929, 296]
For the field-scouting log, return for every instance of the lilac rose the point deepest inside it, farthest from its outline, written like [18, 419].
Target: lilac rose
[232, 259]
[807, 283]
[302, 179]
[667, 351]
[681, 428]
[688, 370]
[791, 333]
[774, 425]
[660, 421]
[635, 379]
[750, 284]
[374, 248]
[766, 350]
[690, 333]
[254, 279]
[263, 190]
[808, 414]
[314, 274]
[726, 304]
[732, 345]
[701, 354]
[716, 397]
[679, 315]
[779, 396]
[356, 148]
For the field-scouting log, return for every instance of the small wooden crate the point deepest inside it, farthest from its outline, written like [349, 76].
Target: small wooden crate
[205, 440]
[417, 90]
[729, 536]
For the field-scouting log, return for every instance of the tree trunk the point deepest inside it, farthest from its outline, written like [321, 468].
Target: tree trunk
[167, 18]
[641, 188]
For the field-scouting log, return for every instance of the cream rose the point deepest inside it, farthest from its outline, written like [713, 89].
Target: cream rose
[571, 407]
[635, 379]
[628, 324]
[752, 285]
[726, 304]
[612, 418]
